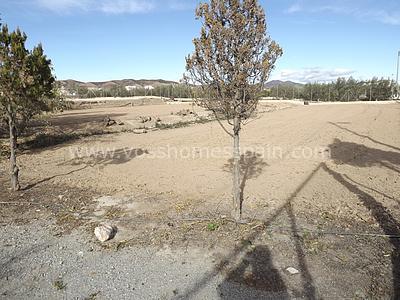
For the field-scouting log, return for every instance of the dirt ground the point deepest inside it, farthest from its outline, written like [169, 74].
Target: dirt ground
[320, 190]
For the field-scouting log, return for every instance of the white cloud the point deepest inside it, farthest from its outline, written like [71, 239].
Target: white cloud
[391, 18]
[296, 7]
[366, 10]
[125, 6]
[181, 4]
[113, 6]
[63, 5]
[312, 74]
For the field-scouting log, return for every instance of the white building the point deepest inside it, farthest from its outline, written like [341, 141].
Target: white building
[131, 87]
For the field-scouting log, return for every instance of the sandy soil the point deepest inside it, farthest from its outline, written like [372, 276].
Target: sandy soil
[290, 145]
[320, 185]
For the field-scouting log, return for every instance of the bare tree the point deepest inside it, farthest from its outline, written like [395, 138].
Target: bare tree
[233, 59]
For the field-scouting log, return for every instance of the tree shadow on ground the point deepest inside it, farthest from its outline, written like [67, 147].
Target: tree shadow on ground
[362, 156]
[106, 157]
[254, 278]
[251, 166]
[32, 185]
[10, 266]
[109, 157]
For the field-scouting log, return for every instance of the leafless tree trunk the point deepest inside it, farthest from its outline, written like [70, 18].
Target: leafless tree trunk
[14, 170]
[237, 205]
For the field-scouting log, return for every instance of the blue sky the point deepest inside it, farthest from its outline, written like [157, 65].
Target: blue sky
[95, 40]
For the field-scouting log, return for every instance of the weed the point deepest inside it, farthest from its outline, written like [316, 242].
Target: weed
[246, 243]
[312, 243]
[172, 126]
[59, 285]
[4, 150]
[327, 216]
[122, 244]
[200, 120]
[182, 206]
[113, 212]
[212, 226]
[92, 296]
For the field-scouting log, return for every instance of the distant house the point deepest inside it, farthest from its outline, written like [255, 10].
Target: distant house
[148, 87]
[92, 88]
[131, 87]
[65, 92]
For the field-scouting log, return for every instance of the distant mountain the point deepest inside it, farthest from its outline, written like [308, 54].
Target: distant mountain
[274, 83]
[73, 84]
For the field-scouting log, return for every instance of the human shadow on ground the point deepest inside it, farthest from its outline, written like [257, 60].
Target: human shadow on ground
[362, 156]
[306, 278]
[308, 286]
[362, 135]
[255, 277]
[385, 219]
[370, 188]
[251, 166]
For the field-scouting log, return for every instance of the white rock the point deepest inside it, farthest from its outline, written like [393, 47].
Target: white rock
[104, 232]
[292, 271]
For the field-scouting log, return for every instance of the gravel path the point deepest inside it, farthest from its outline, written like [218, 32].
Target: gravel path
[37, 264]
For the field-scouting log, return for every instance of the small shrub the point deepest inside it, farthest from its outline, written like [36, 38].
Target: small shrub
[199, 120]
[172, 126]
[212, 226]
[59, 285]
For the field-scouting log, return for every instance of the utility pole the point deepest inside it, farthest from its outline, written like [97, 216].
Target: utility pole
[397, 76]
